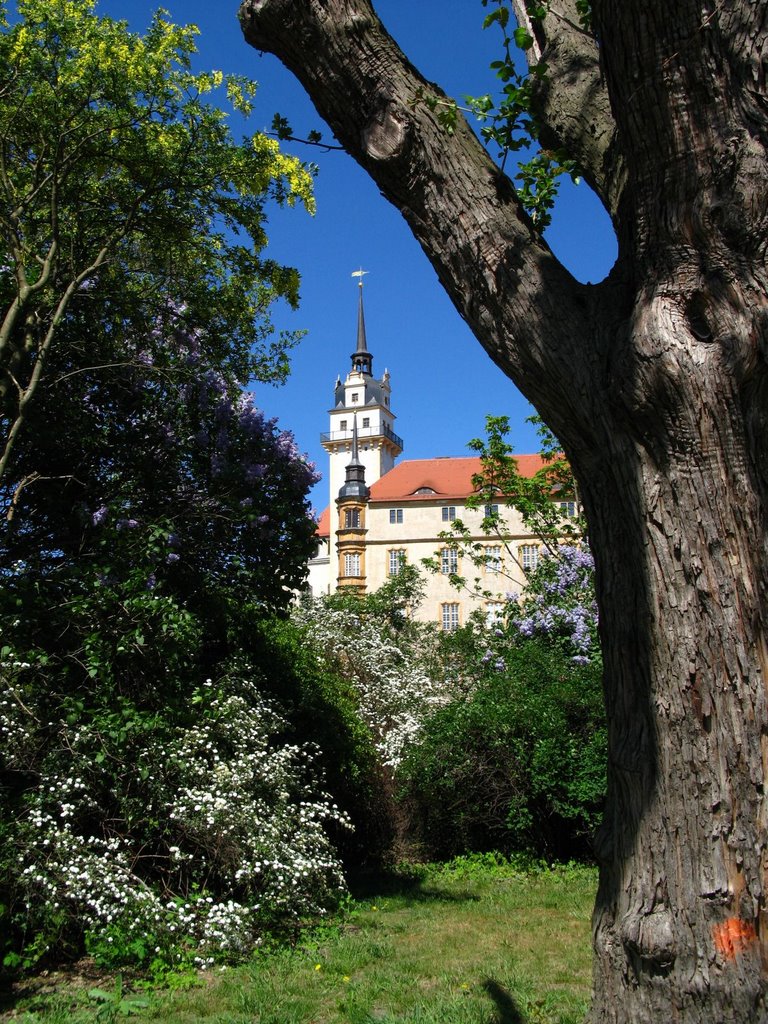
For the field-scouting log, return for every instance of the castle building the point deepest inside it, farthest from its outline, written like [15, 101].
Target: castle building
[383, 513]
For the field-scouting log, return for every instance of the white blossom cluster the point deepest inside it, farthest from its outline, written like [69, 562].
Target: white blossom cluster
[235, 839]
[17, 721]
[396, 693]
[252, 805]
[16, 726]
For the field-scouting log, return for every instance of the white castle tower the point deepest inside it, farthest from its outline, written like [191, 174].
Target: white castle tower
[367, 400]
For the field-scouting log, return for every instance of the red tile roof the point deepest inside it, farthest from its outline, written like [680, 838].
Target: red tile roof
[324, 523]
[448, 478]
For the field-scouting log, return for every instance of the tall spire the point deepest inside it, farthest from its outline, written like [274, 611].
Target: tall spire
[362, 360]
[354, 485]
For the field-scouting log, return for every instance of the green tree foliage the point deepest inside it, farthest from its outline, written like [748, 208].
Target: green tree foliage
[508, 118]
[177, 773]
[547, 502]
[517, 764]
[121, 191]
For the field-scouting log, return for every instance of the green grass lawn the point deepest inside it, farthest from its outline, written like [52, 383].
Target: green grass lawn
[469, 943]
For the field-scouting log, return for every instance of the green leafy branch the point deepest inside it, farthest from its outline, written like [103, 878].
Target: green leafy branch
[508, 122]
[538, 500]
[281, 129]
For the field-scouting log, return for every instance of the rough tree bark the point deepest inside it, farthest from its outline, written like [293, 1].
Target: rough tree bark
[655, 381]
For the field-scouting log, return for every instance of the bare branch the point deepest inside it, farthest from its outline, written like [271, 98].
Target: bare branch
[326, 147]
[163, 371]
[45, 345]
[33, 478]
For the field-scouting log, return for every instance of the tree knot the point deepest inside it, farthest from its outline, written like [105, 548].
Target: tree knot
[385, 134]
[649, 937]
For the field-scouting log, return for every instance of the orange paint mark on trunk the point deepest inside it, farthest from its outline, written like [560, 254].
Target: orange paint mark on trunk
[733, 936]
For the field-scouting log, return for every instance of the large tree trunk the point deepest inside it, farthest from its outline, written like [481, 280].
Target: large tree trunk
[679, 923]
[656, 383]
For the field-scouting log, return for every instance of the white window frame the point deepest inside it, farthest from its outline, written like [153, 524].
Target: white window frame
[396, 516]
[449, 616]
[568, 509]
[494, 612]
[491, 511]
[493, 559]
[449, 561]
[529, 556]
[395, 561]
[352, 563]
[448, 513]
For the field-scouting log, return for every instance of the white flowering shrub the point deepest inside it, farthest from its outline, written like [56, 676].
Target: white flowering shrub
[210, 831]
[396, 692]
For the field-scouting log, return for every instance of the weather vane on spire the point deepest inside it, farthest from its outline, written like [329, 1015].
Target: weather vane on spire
[360, 274]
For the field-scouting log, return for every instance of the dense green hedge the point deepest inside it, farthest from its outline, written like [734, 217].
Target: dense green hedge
[519, 764]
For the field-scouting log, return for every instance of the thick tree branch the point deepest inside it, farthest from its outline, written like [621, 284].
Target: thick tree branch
[532, 317]
[572, 104]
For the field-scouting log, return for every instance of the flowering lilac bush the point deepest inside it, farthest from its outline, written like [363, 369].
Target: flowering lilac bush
[559, 603]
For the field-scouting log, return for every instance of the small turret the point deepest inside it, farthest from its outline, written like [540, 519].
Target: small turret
[354, 484]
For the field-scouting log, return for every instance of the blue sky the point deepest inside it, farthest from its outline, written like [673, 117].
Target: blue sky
[443, 383]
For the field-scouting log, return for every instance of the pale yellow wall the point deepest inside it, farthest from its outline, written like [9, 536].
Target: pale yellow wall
[418, 536]
[319, 576]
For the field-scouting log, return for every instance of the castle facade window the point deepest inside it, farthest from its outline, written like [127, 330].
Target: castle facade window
[493, 558]
[529, 556]
[449, 561]
[449, 616]
[396, 560]
[352, 564]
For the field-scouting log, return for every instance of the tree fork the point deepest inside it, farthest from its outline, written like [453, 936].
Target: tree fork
[656, 383]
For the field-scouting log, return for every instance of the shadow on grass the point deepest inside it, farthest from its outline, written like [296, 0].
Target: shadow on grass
[507, 1011]
[412, 887]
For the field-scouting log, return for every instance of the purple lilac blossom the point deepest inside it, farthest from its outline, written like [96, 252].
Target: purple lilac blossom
[100, 515]
[127, 524]
[565, 606]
